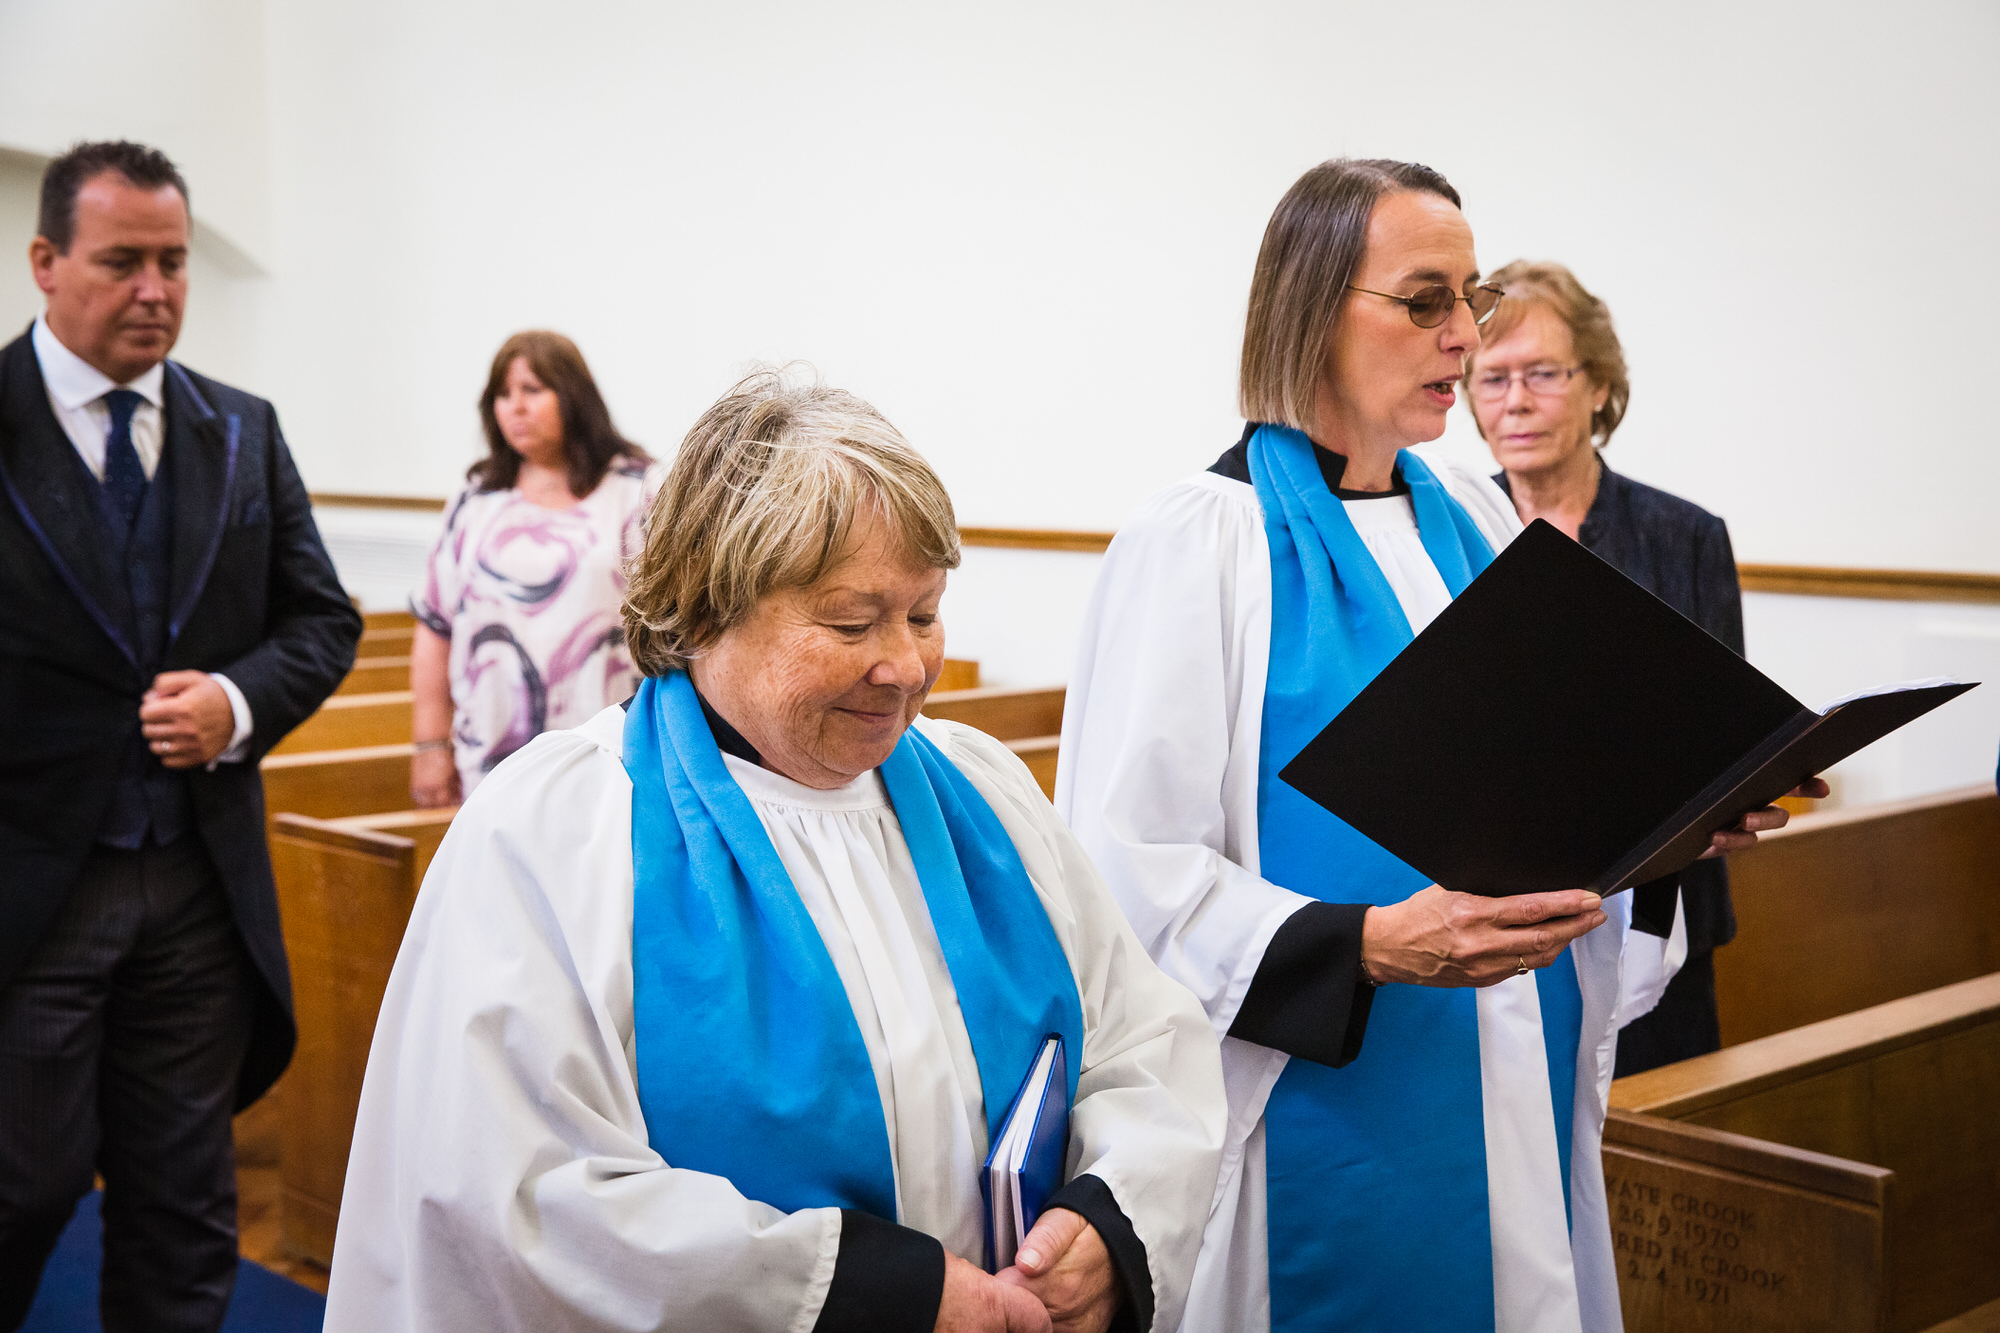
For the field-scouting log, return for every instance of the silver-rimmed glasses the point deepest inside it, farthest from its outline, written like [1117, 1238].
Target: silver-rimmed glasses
[1542, 381]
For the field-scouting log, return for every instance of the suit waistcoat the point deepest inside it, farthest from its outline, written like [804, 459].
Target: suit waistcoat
[147, 795]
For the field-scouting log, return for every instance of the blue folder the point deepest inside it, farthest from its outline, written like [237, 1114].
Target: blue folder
[1025, 1164]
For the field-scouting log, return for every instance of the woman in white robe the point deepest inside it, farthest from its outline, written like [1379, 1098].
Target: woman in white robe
[521, 1160]
[1368, 1208]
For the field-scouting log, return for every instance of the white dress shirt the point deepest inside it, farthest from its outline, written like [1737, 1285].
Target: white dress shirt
[76, 395]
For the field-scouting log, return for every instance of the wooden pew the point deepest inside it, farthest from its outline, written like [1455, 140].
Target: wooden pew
[1844, 909]
[1986, 1319]
[345, 888]
[424, 828]
[1030, 721]
[387, 620]
[1003, 714]
[333, 784]
[1039, 754]
[393, 642]
[1839, 1176]
[376, 675]
[958, 674]
[348, 720]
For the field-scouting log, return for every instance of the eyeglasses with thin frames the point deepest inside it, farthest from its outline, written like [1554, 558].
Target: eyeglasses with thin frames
[1542, 381]
[1431, 306]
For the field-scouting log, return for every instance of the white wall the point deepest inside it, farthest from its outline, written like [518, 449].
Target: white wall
[20, 175]
[187, 76]
[1027, 233]
[1821, 648]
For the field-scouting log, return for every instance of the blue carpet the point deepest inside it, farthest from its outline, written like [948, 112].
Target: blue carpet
[67, 1301]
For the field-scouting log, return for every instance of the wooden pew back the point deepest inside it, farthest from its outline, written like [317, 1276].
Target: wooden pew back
[333, 784]
[1716, 1231]
[958, 673]
[376, 675]
[1006, 715]
[1811, 1123]
[393, 642]
[349, 720]
[1844, 909]
[344, 897]
[1030, 721]
[1039, 754]
[345, 889]
[425, 830]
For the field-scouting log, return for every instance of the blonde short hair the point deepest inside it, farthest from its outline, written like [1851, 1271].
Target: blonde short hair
[1531, 283]
[1312, 246]
[763, 496]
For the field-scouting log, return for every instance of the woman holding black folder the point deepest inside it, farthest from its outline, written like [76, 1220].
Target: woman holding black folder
[1428, 1179]
[1548, 386]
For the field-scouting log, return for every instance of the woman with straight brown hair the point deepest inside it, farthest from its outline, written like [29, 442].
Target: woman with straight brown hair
[1447, 1174]
[518, 622]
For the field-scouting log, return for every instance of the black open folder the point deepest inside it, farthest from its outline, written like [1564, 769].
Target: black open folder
[1559, 727]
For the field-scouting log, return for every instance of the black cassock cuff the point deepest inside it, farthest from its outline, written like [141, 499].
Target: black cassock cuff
[886, 1279]
[1654, 904]
[1310, 997]
[1092, 1199]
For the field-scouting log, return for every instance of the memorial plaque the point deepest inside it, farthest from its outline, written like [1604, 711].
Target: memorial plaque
[1706, 1246]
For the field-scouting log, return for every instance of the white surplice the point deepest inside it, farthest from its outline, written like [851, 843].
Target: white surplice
[502, 1176]
[847, 858]
[1158, 777]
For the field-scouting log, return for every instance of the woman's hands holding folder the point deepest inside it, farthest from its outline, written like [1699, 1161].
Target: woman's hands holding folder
[1440, 938]
[1743, 833]
[1063, 1262]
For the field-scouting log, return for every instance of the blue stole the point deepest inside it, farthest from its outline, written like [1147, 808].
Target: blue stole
[1376, 1172]
[751, 1065]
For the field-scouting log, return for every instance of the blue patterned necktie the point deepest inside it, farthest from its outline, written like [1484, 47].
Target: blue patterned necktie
[124, 479]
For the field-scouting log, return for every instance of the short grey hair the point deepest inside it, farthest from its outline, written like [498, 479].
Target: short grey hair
[763, 496]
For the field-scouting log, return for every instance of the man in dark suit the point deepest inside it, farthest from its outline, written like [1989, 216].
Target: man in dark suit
[167, 614]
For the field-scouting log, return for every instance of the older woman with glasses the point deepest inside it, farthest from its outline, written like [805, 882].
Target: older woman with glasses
[1547, 386]
[709, 1009]
[1444, 1174]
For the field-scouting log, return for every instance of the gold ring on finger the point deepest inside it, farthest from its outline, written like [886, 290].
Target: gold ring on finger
[1520, 966]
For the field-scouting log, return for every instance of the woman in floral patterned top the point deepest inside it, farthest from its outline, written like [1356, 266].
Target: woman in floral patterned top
[519, 629]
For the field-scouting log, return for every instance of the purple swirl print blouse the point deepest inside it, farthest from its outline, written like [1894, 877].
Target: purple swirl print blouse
[529, 598]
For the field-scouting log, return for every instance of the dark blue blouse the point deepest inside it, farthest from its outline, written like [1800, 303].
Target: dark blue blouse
[1680, 553]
